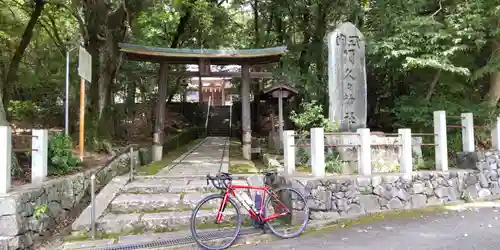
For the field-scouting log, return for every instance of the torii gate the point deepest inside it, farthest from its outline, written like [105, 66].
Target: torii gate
[204, 58]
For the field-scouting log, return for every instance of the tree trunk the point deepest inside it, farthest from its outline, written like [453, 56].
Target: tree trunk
[493, 94]
[11, 75]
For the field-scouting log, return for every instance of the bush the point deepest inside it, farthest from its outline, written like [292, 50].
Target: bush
[311, 117]
[61, 158]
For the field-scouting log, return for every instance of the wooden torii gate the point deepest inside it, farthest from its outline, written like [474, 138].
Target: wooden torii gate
[204, 58]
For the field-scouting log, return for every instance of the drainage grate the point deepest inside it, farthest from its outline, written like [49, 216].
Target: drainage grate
[174, 242]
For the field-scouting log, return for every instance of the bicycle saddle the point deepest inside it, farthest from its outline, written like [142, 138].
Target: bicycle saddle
[269, 173]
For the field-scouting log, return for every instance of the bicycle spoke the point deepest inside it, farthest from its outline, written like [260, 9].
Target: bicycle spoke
[211, 233]
[290, 201]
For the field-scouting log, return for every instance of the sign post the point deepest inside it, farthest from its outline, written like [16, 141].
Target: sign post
[85, 72]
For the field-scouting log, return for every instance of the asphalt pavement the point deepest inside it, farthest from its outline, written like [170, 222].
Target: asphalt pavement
[467, 229]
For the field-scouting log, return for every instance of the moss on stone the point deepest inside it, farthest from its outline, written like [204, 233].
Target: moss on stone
[303, 168]
[154, 167]
[243, 169]
[76, 236]
[398, 214]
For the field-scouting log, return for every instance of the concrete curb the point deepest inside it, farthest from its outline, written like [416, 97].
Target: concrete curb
[102, 200]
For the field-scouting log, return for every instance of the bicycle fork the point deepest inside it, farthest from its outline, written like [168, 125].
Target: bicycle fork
[220, 210]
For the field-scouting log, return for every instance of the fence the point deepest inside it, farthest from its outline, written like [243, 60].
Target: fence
[39, 156]
[362, 140]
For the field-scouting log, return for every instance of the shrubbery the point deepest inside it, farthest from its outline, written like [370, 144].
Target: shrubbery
[61, 158]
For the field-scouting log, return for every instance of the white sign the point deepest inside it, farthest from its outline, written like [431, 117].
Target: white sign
[84, 64]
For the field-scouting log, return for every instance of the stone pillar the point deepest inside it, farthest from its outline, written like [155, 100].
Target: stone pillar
[405, 154]
[467, 122]
[200, 90]
[280, 114]
[495, 135]
[318, 152]
[223, 93]
[289, 151]
[245, 112]
[365, 152]
[440, 141]
[40, 155]
[160, 113]
[5, 159]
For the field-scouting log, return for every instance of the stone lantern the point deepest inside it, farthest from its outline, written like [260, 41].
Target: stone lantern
[280, 91]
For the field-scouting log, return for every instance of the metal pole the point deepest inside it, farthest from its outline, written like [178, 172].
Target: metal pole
[82, 117]
[66, 104]
[280, 118]
[92, 206]
[132, 162]
[208, 115]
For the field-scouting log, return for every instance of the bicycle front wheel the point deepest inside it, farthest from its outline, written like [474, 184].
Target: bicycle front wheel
[206, 231]
[292, 224]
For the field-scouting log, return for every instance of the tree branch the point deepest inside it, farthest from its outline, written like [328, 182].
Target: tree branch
[432, 87]
[437, 11]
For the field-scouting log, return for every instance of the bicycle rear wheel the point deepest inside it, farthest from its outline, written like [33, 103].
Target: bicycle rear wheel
[207, 236]
[296, 204]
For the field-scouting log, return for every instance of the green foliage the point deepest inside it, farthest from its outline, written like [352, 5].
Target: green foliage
[61, 158]
[422, 56]
[311, 117]
[22, 110]
[333, 164]
[302, 156]
[40, 211]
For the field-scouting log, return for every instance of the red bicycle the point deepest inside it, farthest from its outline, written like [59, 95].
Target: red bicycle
[275, 202]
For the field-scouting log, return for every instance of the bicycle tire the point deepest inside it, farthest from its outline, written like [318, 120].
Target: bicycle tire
[304, 224]
[193, 222]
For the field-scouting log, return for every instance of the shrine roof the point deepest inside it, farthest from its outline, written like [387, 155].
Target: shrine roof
[135, 52]
[279, 87]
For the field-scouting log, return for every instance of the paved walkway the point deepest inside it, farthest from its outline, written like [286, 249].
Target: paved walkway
[465, 230]
[210, 156]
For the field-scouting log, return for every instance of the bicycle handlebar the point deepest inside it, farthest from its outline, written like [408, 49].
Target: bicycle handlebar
[221, 181]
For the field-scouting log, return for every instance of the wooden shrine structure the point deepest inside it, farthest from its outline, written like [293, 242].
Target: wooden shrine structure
[204, 58]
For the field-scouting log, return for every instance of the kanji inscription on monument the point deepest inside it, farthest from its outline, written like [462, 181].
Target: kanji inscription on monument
[347, 78]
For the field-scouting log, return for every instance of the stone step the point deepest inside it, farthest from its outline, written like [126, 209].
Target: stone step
[154, 222]
[127, 203]
[156, 186]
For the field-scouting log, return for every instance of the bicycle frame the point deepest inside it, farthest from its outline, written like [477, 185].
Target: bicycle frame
[230, 191]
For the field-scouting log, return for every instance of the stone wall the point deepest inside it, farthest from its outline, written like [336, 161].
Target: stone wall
[341, 196]
[354, 195]
[28, 211]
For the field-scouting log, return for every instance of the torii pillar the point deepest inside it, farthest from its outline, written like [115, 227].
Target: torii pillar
[245, 112]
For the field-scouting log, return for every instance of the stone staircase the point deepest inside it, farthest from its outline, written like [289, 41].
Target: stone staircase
[146, 207]
[218, 122]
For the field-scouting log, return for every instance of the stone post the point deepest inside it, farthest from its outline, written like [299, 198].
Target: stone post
[245, 112]
[40, 155]
[289, 151]
[365, 152]
[405, 154]
[495, 135]
[158, 134]
[440, 141]
[318, 152]
[280, 113]
[467, 123]
[5, 158]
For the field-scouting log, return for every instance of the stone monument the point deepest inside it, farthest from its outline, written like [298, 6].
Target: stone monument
[347, 78]
[346, 90]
